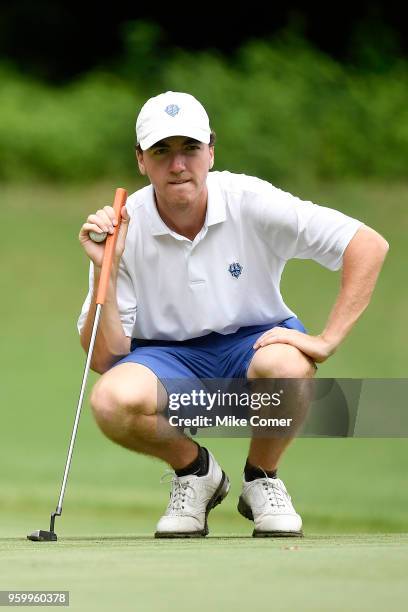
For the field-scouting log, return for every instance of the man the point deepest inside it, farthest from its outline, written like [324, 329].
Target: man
[194, 292]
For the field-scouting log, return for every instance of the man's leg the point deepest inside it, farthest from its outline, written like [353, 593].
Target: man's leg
[264, 498]
[280, 361]
[128, 402]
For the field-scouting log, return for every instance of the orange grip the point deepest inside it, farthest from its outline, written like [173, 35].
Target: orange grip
[110, 244]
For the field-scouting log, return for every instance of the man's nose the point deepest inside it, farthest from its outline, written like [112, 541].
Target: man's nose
[177, 162]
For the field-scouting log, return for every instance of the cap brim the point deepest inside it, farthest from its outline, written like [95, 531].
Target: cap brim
[190, 132]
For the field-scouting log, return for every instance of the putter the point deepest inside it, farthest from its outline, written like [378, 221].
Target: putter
[119, 202]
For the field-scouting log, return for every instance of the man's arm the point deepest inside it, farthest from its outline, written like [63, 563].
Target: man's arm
[362, 262]
[111, 343]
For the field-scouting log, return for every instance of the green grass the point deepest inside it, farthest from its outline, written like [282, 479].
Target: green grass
[351, 493]
[138, 573]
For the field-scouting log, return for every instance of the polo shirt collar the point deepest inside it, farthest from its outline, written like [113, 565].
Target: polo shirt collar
[216, 210]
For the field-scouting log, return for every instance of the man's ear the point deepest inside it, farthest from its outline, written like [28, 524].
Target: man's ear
[211, 157]
[140, 163]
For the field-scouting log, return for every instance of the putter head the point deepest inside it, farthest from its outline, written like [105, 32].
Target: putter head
[42, 536]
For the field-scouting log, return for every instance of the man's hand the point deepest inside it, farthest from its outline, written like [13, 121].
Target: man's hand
[103, 221]
[315, 347]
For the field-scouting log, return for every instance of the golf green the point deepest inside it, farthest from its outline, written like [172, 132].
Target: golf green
[130, 572]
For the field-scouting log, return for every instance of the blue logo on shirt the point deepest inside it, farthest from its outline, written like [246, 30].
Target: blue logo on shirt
[235, 269]
[172, 110]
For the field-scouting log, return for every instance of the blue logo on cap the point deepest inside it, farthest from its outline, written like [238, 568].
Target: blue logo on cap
[235, 269]
[172, 110]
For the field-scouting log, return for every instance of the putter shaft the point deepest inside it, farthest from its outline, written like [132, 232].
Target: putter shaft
[41, 536]
[79, 406]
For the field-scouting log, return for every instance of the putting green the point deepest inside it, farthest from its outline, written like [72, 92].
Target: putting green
[128, 572]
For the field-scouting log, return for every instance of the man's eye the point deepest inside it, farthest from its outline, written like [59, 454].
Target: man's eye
[159, 151]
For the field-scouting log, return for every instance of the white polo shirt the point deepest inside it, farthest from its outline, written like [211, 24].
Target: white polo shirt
[172, 288]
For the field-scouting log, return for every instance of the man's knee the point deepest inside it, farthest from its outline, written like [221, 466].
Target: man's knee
[281, 361]
[114, 399]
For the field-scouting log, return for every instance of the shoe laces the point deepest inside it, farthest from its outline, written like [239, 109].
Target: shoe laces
[180, 490]
[274, 493]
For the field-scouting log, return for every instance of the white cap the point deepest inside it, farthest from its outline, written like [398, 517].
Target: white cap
[172, 114]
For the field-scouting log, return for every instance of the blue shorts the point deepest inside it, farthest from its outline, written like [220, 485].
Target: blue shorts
[212, 356]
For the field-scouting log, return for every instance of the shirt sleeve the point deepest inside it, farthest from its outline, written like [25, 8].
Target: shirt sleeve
[126, 299]
[297, 229]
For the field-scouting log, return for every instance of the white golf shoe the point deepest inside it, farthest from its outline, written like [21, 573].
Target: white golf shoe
[267, 502]
[191, 499]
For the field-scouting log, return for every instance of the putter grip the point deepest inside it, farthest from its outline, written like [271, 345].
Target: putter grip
[110, 244]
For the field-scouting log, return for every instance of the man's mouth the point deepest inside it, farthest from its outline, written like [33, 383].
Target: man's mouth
[179, 182]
